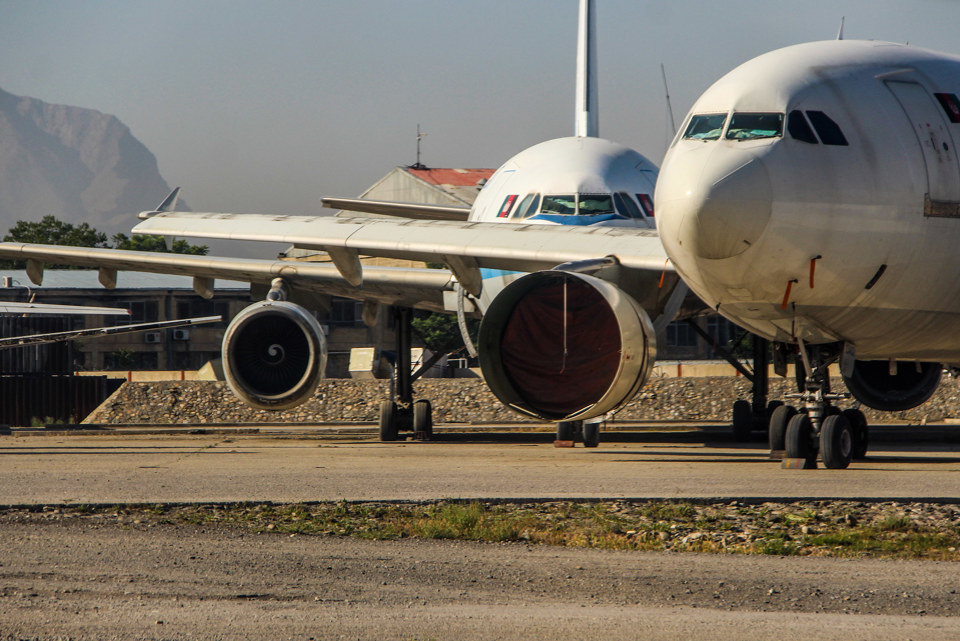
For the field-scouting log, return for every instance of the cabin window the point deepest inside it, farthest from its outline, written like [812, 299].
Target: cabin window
[799, 128]
[753, 126]
[827, 129]
[527, 207]
[705, 127]
[626, 205]
[647, 203]
[595, 204]
[563, 205]
[950, 104]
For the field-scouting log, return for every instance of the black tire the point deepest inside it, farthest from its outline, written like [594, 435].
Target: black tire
[566, 430]
[861, 432]
[742, 421]
[836, 442]
[777, 430]
[591, 434]
[388, 421]
[423, 418]
[798, 442]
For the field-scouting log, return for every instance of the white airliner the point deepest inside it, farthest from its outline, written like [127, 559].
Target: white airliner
[812, 196]
[558, 254]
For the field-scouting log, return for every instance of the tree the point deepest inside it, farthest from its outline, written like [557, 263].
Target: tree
[145, 243]
[52, 231]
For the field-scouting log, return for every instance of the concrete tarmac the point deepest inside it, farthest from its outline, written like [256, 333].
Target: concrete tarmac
[323, 464]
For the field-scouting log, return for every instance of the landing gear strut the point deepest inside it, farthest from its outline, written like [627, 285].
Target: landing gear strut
[401, 413]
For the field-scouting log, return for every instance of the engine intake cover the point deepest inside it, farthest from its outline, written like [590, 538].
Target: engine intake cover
[562, 346]
[274, 355]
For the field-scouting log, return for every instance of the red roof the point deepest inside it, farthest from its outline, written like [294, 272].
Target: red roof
[456, 177]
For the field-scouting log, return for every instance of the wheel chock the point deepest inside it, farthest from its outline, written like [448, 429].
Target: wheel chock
[563, 443]
[777, 455]
[798, 464]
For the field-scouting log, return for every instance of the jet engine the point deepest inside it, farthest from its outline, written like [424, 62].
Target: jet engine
[274, 355]
[563, 346]
[906, 385]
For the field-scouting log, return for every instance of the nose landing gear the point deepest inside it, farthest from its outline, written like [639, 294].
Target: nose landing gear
[818, 427]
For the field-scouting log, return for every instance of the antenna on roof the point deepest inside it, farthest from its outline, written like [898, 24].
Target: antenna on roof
[586, 116]
[673, 123]
[840, 33]
[417, 164]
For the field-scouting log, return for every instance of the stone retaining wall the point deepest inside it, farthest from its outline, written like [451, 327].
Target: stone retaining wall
[460, 400]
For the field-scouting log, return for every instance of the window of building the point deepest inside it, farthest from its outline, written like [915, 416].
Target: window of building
[141, 311]
[705, 127]
[679, 334]
[345, 312]
[799, 128]
[827, 129]
[753, 126]
[194, 308]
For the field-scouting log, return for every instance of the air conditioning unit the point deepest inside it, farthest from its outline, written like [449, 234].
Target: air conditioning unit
[151, 337]
[181, 334]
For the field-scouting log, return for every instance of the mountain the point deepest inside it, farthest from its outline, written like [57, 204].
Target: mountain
[77, 164]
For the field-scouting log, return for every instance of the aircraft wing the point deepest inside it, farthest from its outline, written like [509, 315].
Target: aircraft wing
[96, 332]
[421, 288]
[466, 247]
[402, 210]
[18, 309]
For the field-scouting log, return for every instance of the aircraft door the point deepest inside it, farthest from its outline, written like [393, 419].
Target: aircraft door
[939, 152]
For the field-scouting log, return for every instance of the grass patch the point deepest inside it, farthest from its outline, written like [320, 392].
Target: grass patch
[812, 528]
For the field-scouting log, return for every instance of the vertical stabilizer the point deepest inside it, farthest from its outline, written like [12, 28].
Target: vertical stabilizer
[586, 111]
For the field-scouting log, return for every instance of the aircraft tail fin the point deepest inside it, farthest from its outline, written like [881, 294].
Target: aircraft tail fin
[586, 108]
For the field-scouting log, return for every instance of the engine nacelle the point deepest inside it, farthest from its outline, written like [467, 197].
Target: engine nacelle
[564, 346]
[873, 385]
[274, 355]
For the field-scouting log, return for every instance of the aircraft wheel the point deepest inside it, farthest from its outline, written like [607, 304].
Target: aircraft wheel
[423, 418]
[836, 442]
[389, 430]
[777, 431]
[566, 430]
[861, 432]
[742, 421]
[798, 442]
[591, 434]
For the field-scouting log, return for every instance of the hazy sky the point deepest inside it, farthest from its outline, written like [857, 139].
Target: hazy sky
[266, 106]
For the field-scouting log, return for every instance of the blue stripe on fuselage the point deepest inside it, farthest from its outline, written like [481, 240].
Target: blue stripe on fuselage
[562, 219]
[486, 273]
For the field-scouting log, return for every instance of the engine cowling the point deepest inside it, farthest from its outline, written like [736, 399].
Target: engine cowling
[563, 346]
[274, 355]
[873, 385]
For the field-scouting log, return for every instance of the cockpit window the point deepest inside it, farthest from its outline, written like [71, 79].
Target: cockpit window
[563, 205]
[752, 126]
[827, 129]
[595, 204]
[626, 205]
[799, 129]
[705, 127]
[527, 207]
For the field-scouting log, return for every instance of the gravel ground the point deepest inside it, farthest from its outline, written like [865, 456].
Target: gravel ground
[80, 578]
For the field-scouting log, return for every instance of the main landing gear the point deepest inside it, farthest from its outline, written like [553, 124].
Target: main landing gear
[569, 432]
[817, 426]
[400, 413]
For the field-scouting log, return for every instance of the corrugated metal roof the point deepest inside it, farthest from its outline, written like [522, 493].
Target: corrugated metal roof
[87, 279]
[452, 177]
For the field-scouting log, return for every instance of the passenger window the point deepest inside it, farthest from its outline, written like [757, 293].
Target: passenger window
[799, 128]
[626, 206]
[647, 203]
[827, 129]
[527, 207]
[595, 204]
[705, 127]
[950, 104]
[563, 205]
[755, 126]
[507, 205]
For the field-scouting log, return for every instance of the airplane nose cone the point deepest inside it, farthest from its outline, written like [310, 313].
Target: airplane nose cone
[715, 212]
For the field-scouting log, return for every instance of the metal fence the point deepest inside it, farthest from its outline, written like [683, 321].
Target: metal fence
[33, 399]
